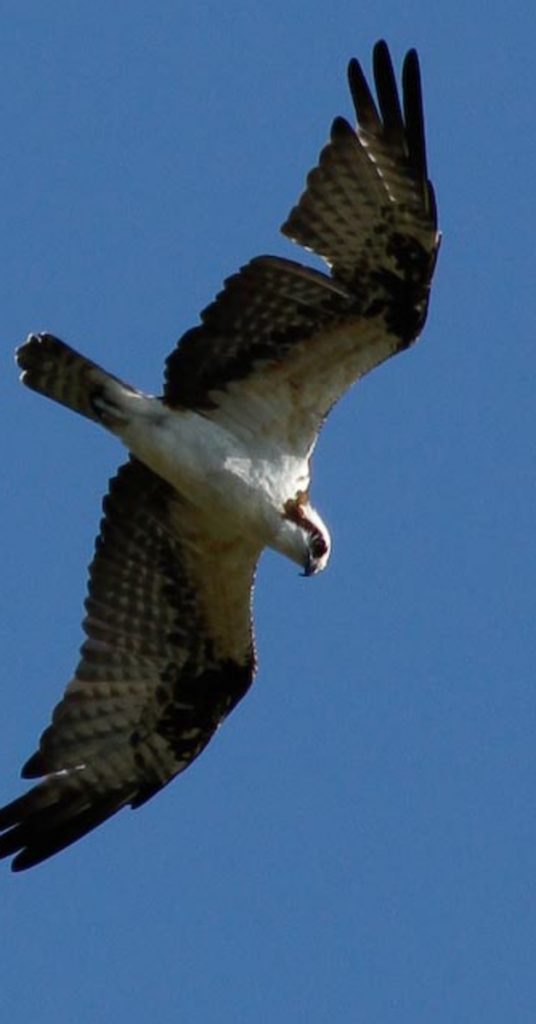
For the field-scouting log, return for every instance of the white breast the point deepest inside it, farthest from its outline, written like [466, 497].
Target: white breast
[244, 480]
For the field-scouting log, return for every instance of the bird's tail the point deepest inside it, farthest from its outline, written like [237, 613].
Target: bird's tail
[52, 368]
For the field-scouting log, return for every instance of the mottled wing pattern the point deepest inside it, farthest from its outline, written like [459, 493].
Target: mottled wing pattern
[262, 313]
[285, 341]
[160, 669]
[369, 209]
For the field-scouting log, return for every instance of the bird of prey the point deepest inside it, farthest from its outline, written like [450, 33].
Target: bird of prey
[219, 469]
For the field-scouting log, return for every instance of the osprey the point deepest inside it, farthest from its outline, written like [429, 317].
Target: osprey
[219, 469]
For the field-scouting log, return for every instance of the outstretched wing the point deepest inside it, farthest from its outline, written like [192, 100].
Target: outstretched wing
[282, 342]
[168, 655]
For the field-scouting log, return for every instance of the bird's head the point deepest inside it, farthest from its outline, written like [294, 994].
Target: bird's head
[303, 536]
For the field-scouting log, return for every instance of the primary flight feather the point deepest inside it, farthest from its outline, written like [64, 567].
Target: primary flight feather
[219, 469]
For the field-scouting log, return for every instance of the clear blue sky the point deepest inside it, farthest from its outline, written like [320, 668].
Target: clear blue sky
[358, 843]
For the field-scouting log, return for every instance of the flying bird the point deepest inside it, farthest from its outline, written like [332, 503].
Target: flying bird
[219, 469]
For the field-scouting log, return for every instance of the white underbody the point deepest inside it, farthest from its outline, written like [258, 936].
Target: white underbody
[238, 481]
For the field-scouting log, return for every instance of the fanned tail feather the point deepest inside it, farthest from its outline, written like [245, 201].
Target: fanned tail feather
[55, 370]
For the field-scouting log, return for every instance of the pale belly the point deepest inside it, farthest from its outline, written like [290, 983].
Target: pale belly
[209, 465]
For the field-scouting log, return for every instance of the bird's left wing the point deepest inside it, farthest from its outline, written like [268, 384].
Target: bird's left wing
[168, 654]
[282, 342]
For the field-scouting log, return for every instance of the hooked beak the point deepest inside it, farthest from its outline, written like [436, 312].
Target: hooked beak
[309, 570]
[317, 555]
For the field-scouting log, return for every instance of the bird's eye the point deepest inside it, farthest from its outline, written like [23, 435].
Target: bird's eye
[317, 545]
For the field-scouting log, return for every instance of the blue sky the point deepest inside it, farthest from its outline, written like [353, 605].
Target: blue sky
[357, 844]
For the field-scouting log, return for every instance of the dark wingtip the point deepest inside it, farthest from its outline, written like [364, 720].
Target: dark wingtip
[340, 129]
[381, 50]
[413, 112]
[388, 98]
[382, 64]
[363, 100]
[386, 116]
[51, 816]
[34, 767]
